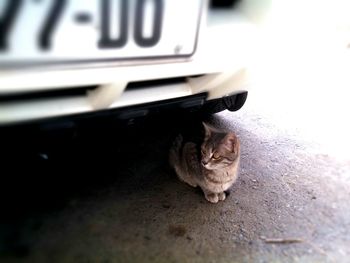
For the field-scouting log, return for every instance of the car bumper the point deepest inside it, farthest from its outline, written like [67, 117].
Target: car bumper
[218, 68]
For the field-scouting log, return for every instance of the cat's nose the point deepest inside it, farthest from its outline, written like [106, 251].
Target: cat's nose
[204, 163]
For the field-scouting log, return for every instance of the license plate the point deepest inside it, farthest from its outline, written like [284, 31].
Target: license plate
[82, 30]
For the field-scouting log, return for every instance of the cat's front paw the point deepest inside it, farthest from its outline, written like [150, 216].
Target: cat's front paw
[212, 198]
[222, 196]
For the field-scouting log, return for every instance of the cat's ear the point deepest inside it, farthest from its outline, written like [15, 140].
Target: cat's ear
[230, 142]
[207, 130]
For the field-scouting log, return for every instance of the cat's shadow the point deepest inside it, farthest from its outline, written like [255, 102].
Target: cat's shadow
[123, 180]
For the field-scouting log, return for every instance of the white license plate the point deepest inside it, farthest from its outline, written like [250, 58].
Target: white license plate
[82, 30]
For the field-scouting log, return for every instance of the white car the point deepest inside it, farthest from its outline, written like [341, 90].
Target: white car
[69, 58]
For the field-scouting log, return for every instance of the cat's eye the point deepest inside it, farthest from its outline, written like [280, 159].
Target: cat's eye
[216, 156]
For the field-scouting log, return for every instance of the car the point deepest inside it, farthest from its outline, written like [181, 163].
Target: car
[72, 59]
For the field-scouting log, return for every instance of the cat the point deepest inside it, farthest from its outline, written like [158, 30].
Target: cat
[215, 169]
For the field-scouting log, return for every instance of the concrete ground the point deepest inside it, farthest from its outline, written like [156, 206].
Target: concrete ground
[120, 202]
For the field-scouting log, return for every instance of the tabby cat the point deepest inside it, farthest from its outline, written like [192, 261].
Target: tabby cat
[215, 169]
